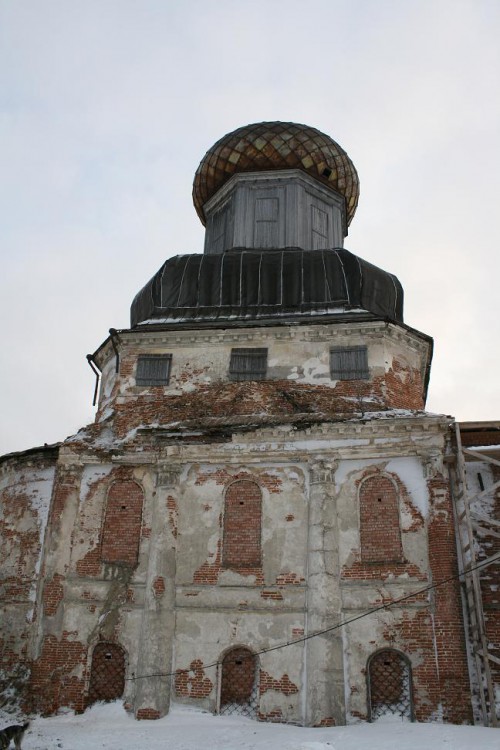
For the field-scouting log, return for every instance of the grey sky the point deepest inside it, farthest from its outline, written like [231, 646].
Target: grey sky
[107, 107]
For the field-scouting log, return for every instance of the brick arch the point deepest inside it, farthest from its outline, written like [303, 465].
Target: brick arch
[239, 676]
[389, 683]
[241, 548]
[107, 673]
[122, 523]
[379, 522]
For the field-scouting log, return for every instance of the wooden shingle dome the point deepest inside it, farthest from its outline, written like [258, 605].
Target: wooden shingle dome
[268, 146]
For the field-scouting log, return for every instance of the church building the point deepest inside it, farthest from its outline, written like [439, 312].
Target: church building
[263, 519]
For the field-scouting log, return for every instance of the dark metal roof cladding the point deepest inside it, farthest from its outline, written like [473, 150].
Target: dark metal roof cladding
[243, 285]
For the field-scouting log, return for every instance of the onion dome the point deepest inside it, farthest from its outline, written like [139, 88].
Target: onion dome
[268, 146]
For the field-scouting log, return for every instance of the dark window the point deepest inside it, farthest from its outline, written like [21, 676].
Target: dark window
[349, 363]
[248, 364]
[153, 369]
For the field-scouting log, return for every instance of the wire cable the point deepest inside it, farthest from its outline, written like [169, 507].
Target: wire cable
[341, 624]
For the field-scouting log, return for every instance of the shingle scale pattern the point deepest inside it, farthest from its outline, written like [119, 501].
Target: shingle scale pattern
[268, 146]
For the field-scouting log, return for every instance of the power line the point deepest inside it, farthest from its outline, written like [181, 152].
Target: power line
[337, 626]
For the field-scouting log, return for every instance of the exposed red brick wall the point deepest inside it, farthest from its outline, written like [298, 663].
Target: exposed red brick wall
[272, 716]
[242, 525]
[432, 637]
[364, 567]
[380, 532]
[282, 685]
[208, 572]
[285, 578]
[51, 683]
[271, 482]
[172, 515]
[471, 436]
[380, 571]
[150, 714]
[276, 595]
[193, 682]
[403, 386]
[122, 524]
[90, 564]
[53, 594]
[15, 668]
[399, 388]
[414, 635]
[449, 631]
[159, 586]
[66, 484]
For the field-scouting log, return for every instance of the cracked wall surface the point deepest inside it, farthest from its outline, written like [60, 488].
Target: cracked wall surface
[143, 547]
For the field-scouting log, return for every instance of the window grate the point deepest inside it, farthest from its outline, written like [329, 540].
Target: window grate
[248, 364]
[240, 683]
[390, 685]
[153, 369]
[107, 673]
[349, 363]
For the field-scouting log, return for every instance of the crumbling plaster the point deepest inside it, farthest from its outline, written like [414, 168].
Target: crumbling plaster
[167, 620]
[300, 354]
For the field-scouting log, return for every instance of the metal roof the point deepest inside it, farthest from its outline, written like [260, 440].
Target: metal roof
[245, 285]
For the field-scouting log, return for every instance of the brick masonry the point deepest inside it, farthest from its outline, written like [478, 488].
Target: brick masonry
[195, 529]
[193, 682]
[380, 531]
[122, 525]
[241, 546]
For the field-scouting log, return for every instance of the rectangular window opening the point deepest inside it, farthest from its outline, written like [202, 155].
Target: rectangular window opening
[153, 369]
[248, 364]
[349, 363]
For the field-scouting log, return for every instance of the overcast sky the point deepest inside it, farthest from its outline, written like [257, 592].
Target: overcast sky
[107, 107]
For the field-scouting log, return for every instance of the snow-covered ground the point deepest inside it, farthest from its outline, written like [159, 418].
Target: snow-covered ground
[108, 726]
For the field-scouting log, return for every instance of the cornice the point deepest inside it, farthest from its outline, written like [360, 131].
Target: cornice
[316, 332]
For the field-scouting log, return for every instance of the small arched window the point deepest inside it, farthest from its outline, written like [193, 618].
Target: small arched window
[242, 525]
[107, 673]
[389, 685]
[239, 693]
[122, 524]
[380, 533]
